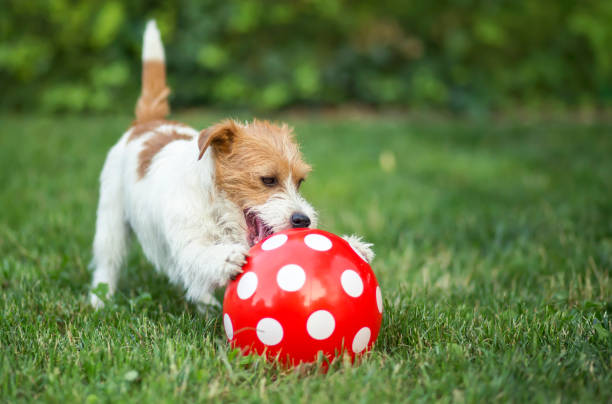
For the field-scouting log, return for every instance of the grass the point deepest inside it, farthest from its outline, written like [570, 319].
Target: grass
[494, 245]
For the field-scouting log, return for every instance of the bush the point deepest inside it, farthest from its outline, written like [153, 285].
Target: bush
[463, 54]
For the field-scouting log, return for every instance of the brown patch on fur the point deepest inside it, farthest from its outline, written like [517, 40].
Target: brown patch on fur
[154, 145]
[153, 101]
[244, 154]
[139, 129]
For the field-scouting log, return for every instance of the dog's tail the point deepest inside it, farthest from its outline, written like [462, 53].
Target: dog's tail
[153, 101]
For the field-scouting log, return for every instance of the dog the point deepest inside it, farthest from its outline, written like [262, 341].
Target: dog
[196, 200]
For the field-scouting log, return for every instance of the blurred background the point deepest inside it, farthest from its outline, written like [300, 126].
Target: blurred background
[467, 56]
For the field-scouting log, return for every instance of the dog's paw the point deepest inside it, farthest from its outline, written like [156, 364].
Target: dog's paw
[362, 248]
[235, 258]
[99, 295]
[208, 305]
[95, 301]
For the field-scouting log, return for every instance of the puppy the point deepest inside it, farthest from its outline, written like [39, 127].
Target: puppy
[196, 201]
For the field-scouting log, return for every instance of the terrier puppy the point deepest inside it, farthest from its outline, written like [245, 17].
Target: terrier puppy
[196, 201]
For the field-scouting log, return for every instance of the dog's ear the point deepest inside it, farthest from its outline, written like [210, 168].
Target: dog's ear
[220, 137]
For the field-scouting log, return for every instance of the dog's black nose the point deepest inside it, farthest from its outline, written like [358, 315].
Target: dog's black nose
[299, 220]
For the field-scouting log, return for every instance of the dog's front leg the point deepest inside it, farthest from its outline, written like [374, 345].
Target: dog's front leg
[202, 267]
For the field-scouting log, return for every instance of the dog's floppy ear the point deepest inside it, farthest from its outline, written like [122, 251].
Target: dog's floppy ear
[219, 136]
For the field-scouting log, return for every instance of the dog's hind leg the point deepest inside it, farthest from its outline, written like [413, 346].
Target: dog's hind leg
[112, 231]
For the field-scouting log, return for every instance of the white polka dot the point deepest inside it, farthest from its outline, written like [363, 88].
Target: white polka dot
[360, 342]
[358, 253]
[320, 324]
[269, 331]
[247, 285]
[379, 300]
[318, 242]
[229, 328]
[291, 277]
[351, 283]
[274, 242]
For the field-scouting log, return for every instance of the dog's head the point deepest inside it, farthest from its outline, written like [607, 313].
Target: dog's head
[259, 167]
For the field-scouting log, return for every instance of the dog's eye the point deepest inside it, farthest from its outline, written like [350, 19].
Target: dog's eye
[269, 181]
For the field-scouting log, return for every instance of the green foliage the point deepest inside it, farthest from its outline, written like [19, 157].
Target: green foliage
[269, 54]
[494, 250]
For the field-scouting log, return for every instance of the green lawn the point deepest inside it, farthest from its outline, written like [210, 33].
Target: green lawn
[494, 245]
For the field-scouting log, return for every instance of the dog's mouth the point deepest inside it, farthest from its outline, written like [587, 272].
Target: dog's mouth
[257, 230]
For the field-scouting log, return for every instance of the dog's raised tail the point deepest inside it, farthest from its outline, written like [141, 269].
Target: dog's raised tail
[153, 101]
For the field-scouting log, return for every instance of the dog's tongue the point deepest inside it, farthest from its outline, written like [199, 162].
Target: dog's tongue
[261, 230]
[257, 229]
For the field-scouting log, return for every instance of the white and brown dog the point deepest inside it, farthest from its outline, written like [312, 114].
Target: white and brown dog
[197, 201]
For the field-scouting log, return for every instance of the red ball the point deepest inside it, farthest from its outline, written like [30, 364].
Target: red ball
[302, 292]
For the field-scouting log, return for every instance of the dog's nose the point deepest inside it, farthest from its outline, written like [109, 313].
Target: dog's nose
[299, 220]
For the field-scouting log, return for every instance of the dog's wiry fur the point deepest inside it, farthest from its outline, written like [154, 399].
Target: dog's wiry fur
[196, 201]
